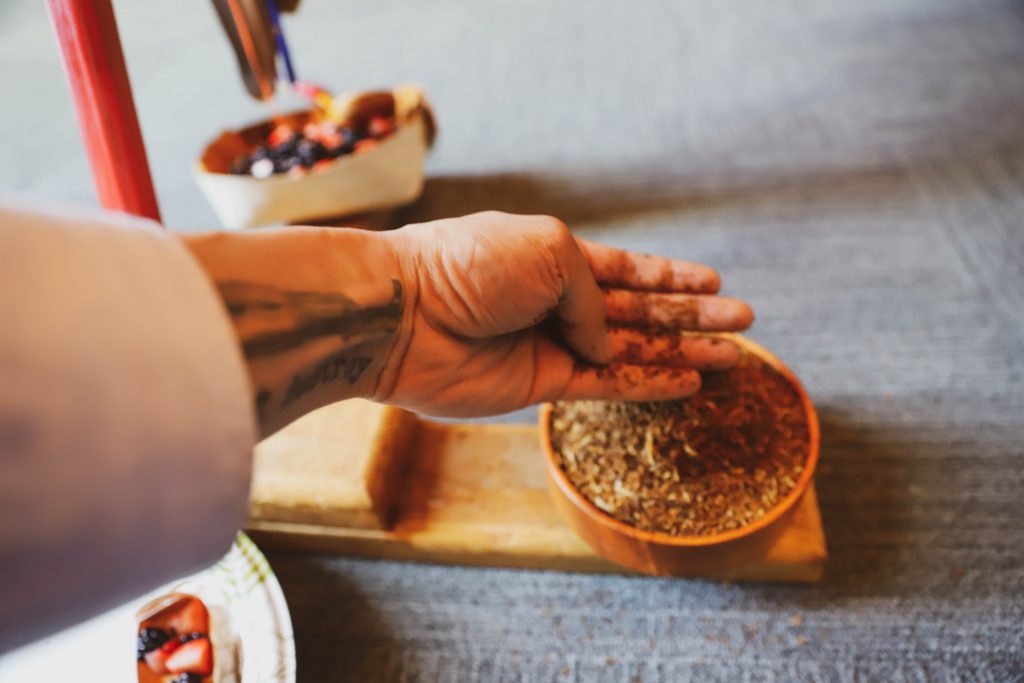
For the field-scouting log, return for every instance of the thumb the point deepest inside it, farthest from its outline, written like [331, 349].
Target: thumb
[581, 306]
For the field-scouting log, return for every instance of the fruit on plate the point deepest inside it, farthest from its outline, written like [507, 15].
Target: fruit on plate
[173, 642]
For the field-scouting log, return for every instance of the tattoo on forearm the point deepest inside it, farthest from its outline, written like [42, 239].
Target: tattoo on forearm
[271, 321]
[294, 318]
[341, 364]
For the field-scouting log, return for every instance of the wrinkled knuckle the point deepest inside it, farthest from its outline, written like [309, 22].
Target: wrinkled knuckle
[554, 228]
[554, 235]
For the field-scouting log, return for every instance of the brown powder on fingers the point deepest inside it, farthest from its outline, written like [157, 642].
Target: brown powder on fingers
[653, 310]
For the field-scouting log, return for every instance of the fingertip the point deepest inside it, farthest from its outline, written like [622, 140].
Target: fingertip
[744, 315]
[725, 314]
[719, 354]
[691, 384]
[712, 281]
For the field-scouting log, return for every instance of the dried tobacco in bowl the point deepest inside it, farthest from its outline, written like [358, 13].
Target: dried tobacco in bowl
[695, 467]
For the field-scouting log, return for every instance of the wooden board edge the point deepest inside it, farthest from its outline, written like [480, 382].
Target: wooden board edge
[382, 545]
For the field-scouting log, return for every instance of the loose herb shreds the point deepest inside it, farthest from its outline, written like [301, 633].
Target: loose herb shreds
[694, 467]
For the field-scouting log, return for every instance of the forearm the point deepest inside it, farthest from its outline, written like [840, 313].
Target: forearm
[125, 428]
[316, 311]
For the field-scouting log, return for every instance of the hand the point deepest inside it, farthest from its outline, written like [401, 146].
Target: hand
[503, 311]
[468, 316]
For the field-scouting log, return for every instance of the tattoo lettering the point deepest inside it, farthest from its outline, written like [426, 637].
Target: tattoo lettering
[340, 364]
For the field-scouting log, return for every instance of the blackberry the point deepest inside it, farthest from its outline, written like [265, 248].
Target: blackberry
[288, 147]
[348, 143]
[284, 164]
[185, 637]
[310, 151]
[149, 640]
[188, 678]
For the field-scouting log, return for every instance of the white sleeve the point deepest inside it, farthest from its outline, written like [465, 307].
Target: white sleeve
[126, 428]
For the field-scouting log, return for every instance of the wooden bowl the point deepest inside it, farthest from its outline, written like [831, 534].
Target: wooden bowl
[384, 177]
[664, 554]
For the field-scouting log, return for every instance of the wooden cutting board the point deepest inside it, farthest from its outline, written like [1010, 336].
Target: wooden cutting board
[357, 478]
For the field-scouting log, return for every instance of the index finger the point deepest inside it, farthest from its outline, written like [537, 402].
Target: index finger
[629, 270]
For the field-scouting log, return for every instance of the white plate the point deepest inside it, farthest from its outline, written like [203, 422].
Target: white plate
[241, 587]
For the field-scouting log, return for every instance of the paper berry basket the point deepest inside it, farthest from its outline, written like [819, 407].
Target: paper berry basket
[388, 175]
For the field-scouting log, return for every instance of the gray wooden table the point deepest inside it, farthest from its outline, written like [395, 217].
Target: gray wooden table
[855, 170]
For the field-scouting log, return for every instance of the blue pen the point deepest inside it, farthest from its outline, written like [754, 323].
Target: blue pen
[282, 46]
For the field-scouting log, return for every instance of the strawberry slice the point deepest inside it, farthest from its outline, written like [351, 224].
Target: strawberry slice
[190, 617]
[170, 646]
[157, 659]
[280, 135]
[193, 657]
[313, 131]
[380, 126]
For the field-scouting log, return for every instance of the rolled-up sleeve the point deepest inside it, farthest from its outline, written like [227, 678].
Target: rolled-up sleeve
[126, 425]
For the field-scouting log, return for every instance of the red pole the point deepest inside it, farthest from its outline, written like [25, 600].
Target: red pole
[94, 65]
